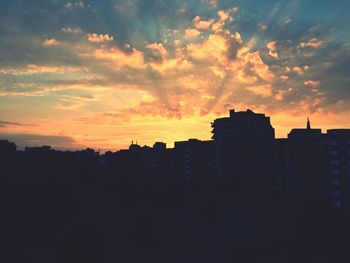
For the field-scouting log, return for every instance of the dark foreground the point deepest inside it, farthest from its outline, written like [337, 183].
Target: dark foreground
[70, 209]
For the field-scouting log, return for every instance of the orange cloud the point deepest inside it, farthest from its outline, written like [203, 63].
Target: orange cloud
[298, 70]
[312, 83]
[253, 59]
[271, 46]
[99, 38]
[202, 24]
[314, 42]
[284, 78]
[262, 90]
[224, 15]
[50, 42]
[191, 33]
[32, 69]
[168, 90]
[196, 76]
[120, 58]
[158, 47]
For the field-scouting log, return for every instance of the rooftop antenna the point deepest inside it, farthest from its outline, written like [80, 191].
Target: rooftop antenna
[308, 125]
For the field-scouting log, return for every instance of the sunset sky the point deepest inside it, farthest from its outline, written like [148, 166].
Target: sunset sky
[75, 74]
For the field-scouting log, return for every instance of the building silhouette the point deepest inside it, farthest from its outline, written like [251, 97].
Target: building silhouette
[281, 164]
[338, 164]
[193, 159]
[243, 154]
[306, 160]
[243, 150]
[243, 196]
[313, 165]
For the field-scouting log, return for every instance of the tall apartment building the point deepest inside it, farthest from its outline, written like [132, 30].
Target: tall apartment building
[193, 159]
[244, 153]
[307, 159]
[314, 165]
[243, 150]
[338, 141]
[281, 166]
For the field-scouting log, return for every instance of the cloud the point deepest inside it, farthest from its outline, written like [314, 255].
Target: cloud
[158, 47]
[33, 69]
[99, 38]
[262, 90]
[202, 24]
[212, 3]
[120, 59]
[70, 5]
[257, 67]
[71, 30]
[280, 94]
[271, 46]
[50, 42]
[284, 78]
[155, 52]
[287, 21]
[229, 65]
[262, 26]
[191, 33]
[74, 102]
[299, 70]
[224, 15]
[205, 68]
[314, 43]
[312, 83]
[8, 123]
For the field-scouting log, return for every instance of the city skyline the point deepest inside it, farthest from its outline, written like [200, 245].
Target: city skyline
[35, 140]
[77, 74]
[243, 151]
[242, 197]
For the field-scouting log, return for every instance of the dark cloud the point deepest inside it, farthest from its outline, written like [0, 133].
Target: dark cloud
[233, 46]
[8, 123]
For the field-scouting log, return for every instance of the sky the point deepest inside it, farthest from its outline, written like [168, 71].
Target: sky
[77, 74]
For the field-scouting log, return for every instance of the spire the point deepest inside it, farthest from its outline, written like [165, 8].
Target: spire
[308, 125]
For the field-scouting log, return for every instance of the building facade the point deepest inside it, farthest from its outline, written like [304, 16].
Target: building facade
[243, 150]
[244, 154]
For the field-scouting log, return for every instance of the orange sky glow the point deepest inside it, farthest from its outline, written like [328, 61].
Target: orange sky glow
[95, 90]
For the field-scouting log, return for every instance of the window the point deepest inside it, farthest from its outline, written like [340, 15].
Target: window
[335, 172]
[333, 142]
[333, 152]
[335, 182]
[335, 162]
[335, 193]
[336, 204]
